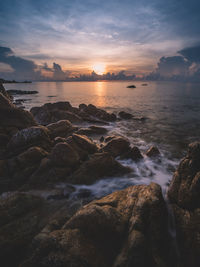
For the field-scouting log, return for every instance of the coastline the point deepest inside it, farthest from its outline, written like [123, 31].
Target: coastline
[52, 145]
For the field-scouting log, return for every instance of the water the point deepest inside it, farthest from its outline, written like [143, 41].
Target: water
[172, 110]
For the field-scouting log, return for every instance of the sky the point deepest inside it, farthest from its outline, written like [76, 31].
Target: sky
[59, 38]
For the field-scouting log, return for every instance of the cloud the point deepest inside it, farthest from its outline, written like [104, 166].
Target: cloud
[21, 68]
[185, 67]
[191, 53]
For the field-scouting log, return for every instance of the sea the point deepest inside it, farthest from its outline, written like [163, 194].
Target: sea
[172, 121]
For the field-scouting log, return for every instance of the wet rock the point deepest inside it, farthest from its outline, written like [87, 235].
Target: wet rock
[117, 146]
[153, 152]
[64, 155]
[134, 154]
[184, 196]
[100, 165]
[131, 86]
[125, 115]
[33, 136]
[102, 139]
[85, 143]
[126, 228]
[61, 128]
[84, 193]
[92, 130]
[93, 111]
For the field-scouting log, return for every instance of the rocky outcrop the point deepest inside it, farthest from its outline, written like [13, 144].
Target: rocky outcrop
[12, 118]
[61, 128]
[125, 115]
[92, 130]
[100, 165]
[184, 196]
[133, 153]
[127, 228]
[50, 113]
[33, 136]
[20, 221]
[117, 146]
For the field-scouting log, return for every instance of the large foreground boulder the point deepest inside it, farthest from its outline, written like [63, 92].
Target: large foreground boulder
[125, 229]
[184, 196]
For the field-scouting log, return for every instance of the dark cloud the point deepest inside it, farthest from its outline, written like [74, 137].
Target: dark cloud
[22, 68]
[191, 53]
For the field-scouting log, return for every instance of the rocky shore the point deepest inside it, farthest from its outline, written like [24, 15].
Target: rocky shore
[43, 225]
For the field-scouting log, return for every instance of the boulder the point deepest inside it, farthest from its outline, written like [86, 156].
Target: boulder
[134, 154]
[92, 130]
[125, 115]
[20, 221]
[61, 128]
[33, 136]
[127, 228]
[95, 112]
[117, 146]
[184, 197]
[31, 157]
[64, 155]
[11, 116]
[53, 112]
[85, 143]
[153, 152]
[100, 165]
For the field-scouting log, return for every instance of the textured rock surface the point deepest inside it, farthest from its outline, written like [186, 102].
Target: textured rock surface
[126, 228]
[184, 195]
[117, 146]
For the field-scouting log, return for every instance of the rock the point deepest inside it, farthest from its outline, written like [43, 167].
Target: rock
[4, 92]
[126, 228]
[4, 139]
[31, 157]
[53, 112]
[21, 92]
[144, 84]
[59, 140]
[117, 146]
[85, 143]
[93, 111]
[131, 86]
[61, 128]
[184, 196]
[83, 154]
[134, 154]
[20, 221]
[33, 136]
[125, 115]
[102, 139]
[64, 155]
[153, 152]
[11, 116]
[100, 165]
[92, 130]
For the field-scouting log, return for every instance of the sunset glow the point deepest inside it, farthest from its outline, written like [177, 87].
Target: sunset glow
[99, 68]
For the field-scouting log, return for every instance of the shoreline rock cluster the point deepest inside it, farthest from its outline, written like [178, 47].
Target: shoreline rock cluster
[52, 144]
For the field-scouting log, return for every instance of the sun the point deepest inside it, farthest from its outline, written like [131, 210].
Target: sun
[99, 68]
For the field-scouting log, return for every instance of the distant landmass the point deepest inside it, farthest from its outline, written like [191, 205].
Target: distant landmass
[13, 81]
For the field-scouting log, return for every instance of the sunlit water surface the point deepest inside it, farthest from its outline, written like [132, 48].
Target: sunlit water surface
[172, 110]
